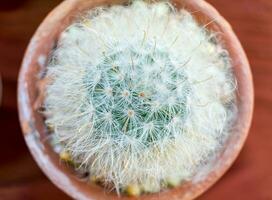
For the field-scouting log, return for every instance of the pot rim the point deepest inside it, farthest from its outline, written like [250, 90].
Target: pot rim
[32, 122]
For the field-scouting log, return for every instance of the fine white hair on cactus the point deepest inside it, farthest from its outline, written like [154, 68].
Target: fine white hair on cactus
[141, 94]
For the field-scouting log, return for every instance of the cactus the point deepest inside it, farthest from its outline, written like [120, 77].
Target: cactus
[141, 94]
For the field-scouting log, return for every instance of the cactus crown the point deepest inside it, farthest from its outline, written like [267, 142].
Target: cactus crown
[131, 95]
[141, 94]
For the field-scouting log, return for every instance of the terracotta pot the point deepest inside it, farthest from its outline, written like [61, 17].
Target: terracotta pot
[32, 122]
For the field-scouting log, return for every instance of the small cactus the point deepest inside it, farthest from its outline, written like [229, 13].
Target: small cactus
[140, 94]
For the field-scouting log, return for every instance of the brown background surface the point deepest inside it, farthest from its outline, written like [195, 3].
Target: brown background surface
[250, 178]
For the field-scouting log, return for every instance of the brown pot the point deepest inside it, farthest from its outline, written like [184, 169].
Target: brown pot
[32, 122]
